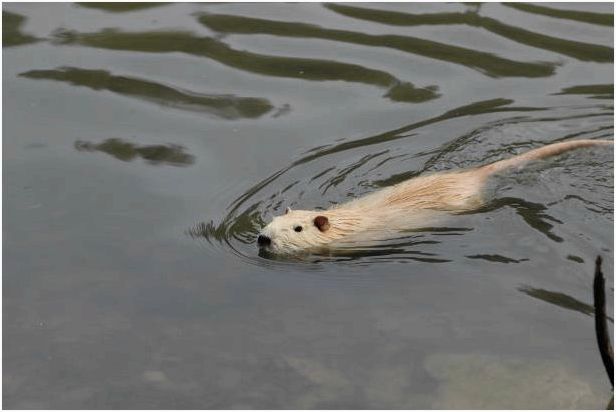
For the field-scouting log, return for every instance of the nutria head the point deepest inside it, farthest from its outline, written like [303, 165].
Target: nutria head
[296, 230]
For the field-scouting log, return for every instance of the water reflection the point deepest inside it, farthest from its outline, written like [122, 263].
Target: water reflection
[244, 229]
[276, 66]
[534, 214]
[487, 63]
[579, 50]
[356, 177]
[497, 258]
[170, 154]
[224, 106]
[559, 299]
[120, 7]
[594, 91]
[11, 30]
[91, 279]
[603, 19]
[475, 108]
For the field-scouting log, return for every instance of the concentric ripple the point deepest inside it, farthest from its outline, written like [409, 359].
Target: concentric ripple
[333, 174]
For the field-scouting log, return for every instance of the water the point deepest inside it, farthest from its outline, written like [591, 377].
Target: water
[146, 144]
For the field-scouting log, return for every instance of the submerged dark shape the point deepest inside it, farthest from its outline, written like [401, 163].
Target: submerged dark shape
[559, 299]
[496, 258]
[532, 213]
[486, 63]
[224, 106]
[268, 65]
[11, 30]
[578, 50]
[170, 154]
[120, 7]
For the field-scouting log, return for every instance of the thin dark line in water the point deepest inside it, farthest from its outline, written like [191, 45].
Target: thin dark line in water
[382, 162]
[597, 208]
[477, 108]
[346, 171]
[584, 132]
[289, 187]
[329, 169]
[496, 258]
[491, 155]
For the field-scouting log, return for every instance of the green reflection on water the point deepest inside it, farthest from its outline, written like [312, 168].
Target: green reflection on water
[485, 62]
[171, 154]
[558, 299]
[120, 7]
[276, 66]
[225, 106]
[578, 50]
[11, 33]
[596, 91]
[576, 15]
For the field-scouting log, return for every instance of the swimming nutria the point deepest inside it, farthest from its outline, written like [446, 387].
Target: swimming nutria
[412, 204]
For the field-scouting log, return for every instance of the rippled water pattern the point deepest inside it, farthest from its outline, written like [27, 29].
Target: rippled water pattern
[146, 144]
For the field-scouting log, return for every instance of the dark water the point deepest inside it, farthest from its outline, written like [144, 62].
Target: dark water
[146, 144]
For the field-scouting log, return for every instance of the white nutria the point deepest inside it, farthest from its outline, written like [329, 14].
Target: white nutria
[413, 204]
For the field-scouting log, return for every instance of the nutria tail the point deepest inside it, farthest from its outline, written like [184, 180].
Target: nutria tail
[541, 153]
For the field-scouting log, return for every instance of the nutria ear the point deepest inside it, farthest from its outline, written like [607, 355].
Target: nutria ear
[322, 223]
[287, 210]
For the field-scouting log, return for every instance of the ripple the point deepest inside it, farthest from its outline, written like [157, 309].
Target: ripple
[487, 63]
[336, 173]
[224, 106]
[275, 66]
[602, 19]
[579, 50]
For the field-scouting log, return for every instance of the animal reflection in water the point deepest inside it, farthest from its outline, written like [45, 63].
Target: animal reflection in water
[416, 203]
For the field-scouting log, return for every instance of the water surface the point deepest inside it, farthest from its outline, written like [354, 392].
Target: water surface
[146, 144]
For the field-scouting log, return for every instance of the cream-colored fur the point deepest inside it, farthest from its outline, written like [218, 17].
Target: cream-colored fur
[415, 203]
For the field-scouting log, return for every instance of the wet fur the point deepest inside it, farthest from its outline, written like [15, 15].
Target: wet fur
[415, 203]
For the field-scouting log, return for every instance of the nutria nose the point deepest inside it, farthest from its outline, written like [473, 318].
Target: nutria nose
[263, 240]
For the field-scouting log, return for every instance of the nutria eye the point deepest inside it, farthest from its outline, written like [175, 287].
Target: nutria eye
[298, 228]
